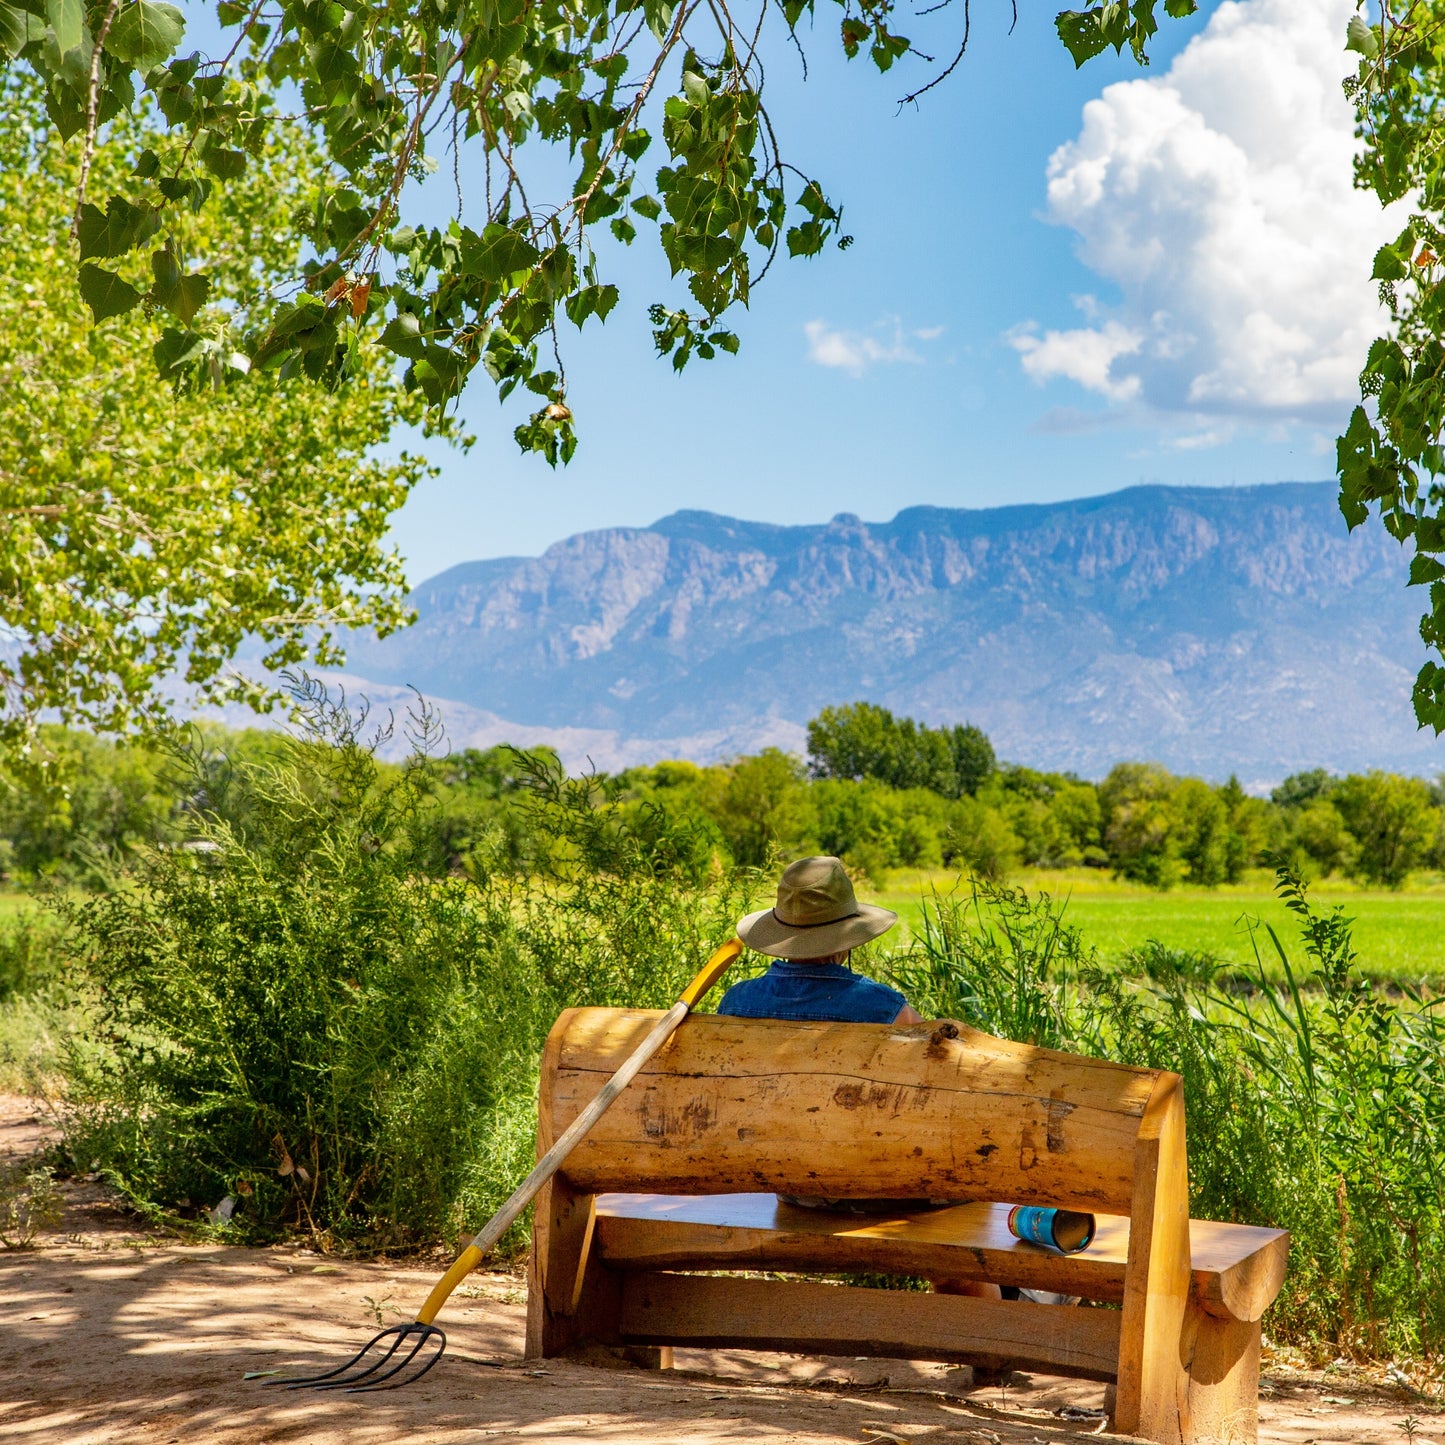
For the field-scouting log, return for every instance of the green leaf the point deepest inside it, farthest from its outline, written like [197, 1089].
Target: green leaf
[498, 254]
[183, 188]
[439, 373]
[105, 293]
[1180, 9]
[177, 349]
[117, 229]
[181, 295]
[17, 30]
[1360, 37]
[591, 301]
[1389, 265]
[301, 315]
[403, 336]
[1082, 35]
[648, 206]
[67, 22]
[694, 87]
[1425, 569]
[227, 165]
[145, 34]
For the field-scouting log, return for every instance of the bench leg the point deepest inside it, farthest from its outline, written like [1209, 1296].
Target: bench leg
[1222, 1379]
[1214, 1396]
[571, 1299]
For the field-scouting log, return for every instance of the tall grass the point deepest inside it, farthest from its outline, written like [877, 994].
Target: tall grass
[1314, 1105]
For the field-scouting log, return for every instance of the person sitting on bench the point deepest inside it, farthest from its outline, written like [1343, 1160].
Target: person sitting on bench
[809, 933]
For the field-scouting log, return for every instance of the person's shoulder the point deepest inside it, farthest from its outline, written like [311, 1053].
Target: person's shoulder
[738, 999]
[874, 989]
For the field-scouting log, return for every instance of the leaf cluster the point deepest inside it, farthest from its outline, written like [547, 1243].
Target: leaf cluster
[1390, 458]
[658, 106]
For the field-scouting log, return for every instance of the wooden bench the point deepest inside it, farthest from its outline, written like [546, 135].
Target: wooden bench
[733, 1112]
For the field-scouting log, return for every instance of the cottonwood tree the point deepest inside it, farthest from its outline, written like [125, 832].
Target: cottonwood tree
[395, 91]
[143, 536]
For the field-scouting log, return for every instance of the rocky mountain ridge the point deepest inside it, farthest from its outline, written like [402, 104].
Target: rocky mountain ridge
[1215, 630]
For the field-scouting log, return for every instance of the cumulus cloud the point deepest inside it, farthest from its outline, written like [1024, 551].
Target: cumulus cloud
[856, 351]
[1218, 198]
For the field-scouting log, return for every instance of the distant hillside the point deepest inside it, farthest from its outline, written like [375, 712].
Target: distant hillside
[1213, 630]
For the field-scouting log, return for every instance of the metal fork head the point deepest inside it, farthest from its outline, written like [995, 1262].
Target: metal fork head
[410, 1341]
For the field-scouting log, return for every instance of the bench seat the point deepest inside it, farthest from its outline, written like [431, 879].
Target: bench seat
[1237, 1269]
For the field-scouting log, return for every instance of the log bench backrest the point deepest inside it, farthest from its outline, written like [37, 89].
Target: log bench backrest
[847, 1110]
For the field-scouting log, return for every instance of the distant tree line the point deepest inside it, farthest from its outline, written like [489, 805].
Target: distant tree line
[880, 791]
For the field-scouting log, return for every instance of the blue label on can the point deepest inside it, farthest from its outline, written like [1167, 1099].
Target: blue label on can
[1033, 1224]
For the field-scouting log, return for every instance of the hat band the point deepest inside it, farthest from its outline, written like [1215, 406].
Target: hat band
[823, 923]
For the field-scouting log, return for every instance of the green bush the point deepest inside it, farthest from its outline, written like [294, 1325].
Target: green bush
[30, 952]
[1314, 1107]
[309, 1018]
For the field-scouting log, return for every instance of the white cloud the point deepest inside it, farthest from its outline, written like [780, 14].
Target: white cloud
[855, 351]
[1219, 199]
[1086, 356]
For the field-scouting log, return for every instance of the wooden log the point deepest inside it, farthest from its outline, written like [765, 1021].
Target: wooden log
[1151, 1399]
[562, 1265]
[718, 1312]
[757, 1232]
[1222, 1367]
[849, 1110]
[1238, 1268]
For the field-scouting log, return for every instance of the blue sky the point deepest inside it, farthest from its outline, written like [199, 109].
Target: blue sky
[1187, 302]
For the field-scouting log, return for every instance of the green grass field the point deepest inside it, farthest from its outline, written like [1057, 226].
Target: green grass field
[13, 903]
[1400, 936]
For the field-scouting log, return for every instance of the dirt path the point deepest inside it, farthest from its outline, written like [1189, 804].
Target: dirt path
[109, 1336]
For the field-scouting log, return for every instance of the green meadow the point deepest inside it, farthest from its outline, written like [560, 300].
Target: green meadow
[1400, 935]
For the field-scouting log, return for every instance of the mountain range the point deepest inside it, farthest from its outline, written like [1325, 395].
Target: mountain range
[1216, 630]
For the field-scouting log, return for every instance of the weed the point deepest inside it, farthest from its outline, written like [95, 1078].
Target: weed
[30, 1201]
[378, 1309]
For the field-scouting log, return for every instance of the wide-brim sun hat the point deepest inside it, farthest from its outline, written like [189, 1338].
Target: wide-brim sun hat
[816, 914]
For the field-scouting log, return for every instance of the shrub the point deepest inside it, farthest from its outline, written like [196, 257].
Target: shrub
[29, 1202]
[30, 950]
[308, 1020]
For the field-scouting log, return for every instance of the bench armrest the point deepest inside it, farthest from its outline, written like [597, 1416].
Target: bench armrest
[1236, 1276]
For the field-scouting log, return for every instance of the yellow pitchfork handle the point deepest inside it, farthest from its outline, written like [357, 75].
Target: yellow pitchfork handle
[573, 1135]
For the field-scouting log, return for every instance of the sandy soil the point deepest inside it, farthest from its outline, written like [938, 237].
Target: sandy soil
[110, 1335]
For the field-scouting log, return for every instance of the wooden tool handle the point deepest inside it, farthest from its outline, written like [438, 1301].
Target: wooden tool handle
[576, 1131]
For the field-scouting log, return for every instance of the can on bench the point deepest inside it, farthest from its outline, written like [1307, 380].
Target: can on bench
[1065, 1230]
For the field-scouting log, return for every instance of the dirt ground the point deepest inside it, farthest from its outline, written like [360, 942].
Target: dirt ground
[110, 1335]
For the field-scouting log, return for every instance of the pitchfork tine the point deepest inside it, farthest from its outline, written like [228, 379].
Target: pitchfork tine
[378, 1382]
[342, 1377]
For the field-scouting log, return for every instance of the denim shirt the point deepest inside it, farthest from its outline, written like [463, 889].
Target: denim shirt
[821, 991]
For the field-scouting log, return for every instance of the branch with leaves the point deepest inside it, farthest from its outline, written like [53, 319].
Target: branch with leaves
[1390, 458]
[391, 92]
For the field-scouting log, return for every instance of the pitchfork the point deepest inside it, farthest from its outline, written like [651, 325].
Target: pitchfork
[421, 1339]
